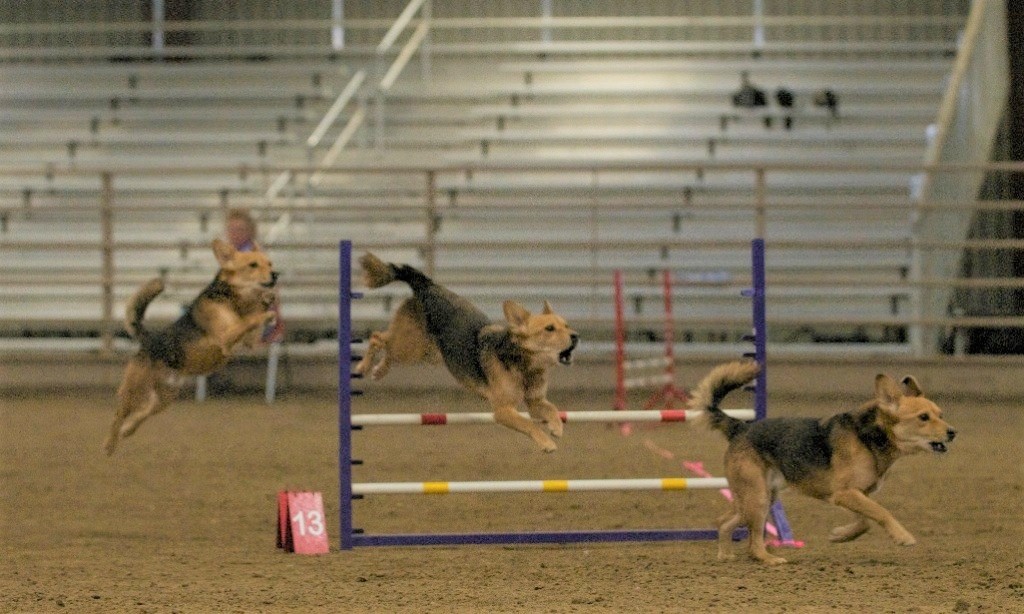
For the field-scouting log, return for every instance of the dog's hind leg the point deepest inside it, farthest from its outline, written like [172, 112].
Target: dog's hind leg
[163, 393]
[376, 346]
[506, 415]
[132, 396]
[748, 479]
[726, 525]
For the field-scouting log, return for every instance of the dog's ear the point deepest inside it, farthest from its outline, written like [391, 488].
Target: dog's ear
[887, 393]
[547, 309]
[515, 314]
[223, 251]
[911, 387]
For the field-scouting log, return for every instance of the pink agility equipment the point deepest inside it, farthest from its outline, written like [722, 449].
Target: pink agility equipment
[668, 396]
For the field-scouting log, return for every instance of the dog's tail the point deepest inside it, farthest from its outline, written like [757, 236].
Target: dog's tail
[136, 308]
[377, 273]
[722, 380]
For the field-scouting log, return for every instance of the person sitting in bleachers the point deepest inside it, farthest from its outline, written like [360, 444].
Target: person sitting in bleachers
[748, 96]
[240, 229]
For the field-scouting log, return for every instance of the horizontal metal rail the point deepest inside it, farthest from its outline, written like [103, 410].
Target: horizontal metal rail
[440, 419]
[546, 486]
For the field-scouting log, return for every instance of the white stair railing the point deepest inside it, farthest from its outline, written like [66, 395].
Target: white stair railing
[358, 116]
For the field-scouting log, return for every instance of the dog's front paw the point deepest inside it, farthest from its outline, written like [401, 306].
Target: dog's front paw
[848, 532]
[555, 428]
[268, 299]
[547, 445]
[774, 560]
[904, 538]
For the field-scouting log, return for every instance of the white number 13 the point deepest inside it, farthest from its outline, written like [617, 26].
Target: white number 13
[310, 522]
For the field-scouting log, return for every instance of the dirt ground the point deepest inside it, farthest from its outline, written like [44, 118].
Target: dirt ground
[182, 517]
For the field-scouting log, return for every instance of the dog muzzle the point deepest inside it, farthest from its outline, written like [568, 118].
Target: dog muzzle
[272, 282]
[940, 446]
[565, 356]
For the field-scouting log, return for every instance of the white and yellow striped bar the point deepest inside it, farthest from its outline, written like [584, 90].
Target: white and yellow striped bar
[443, 488]
[639, 415]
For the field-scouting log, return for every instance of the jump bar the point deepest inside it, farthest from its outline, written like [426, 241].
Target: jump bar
[440, 488]
[639, 415]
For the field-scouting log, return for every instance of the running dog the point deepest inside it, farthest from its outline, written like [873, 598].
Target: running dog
[841, 459]
[233, 309]
[507, 363]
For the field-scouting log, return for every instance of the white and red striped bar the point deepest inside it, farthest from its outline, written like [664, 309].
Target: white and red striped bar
[443, 488]
[640, 415]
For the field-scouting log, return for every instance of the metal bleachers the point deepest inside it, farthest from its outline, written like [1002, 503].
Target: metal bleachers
[506, 168]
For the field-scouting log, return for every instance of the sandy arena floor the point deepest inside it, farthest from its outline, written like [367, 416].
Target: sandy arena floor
[182, 518]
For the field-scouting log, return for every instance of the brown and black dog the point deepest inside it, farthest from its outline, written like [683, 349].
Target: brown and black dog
[841, 459]
[506, 362]
[233, 309]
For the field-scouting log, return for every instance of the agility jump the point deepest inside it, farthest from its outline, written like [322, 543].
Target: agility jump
[631, 374]
[347, 423]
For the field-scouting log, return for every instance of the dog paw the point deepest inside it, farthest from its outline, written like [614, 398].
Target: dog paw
[548, 446]
[725, 557]
[848, 532]
[555, 429]
[774, 560]
[904, 539]
[109, 446]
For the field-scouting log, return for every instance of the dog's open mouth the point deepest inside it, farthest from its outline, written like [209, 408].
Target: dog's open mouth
[938, 446]
[565, 356]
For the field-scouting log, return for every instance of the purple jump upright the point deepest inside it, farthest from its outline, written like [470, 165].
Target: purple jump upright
[352, 537]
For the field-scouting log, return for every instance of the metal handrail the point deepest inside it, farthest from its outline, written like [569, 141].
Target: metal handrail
[462, 23]
[947, 108]
[401, 22]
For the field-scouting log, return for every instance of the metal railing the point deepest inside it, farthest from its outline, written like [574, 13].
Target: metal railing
[511, 253]
[964, 132]
[79, 39]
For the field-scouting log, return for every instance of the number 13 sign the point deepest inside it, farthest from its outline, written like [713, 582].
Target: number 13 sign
[300, 523]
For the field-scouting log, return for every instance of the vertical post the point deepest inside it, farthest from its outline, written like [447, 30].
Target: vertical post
[760, 328]
[107, 225]
[760, 188]
[545, 13]
[620, 345]
[919, 295]
[670, 352]
[426, 13]
[159, 14]
[430, 251]
[337, 24]
[345, 393]
[378, 102]
[758, 26]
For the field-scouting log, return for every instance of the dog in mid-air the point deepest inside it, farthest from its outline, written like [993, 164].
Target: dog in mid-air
[505, 362]
[233, 309]
[841, 459]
